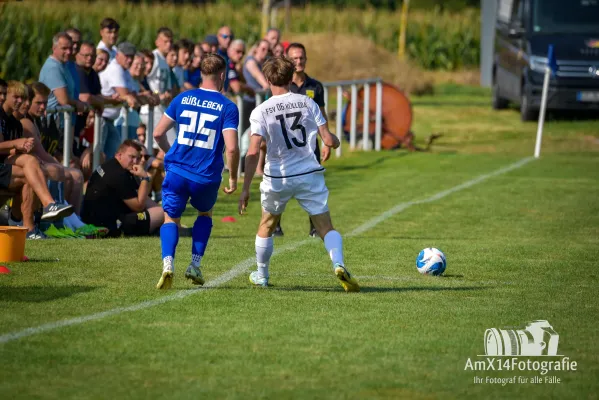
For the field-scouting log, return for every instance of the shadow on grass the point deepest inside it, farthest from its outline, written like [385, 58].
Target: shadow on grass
[375, 289]
[452, 103]
[40, 294]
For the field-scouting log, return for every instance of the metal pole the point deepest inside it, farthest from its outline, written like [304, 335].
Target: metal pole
[354, 116]
[339, 122]
[488, 10]
[150, 130]
[326, 109]
[542, 113]
[97, 145]
[239, 100]
[366, 127]
[68, 139]
[125, 126]
[379, 116]
[258, 98]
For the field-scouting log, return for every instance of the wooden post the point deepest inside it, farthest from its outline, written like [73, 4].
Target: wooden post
[266, 4]
[401, 52]
[287, 15]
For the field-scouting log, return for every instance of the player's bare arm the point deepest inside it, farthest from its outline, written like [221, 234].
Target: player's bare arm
[325, 152]
[160, 133]
[251, 163]
[327, 137]
[232, 151]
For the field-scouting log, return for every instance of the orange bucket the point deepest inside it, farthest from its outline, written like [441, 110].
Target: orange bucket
[12, 243]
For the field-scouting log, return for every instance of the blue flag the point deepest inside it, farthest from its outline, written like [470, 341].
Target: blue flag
[551, 61]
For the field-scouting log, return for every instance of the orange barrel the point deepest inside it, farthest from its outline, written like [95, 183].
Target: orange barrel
[12, 243]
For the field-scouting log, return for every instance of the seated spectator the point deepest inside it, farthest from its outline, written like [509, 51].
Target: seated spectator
[114, 199]
[34, 126]
[18, 169]
[87, 140]
[155, 167]
[109, 32]
[102, 60]
[115, 79]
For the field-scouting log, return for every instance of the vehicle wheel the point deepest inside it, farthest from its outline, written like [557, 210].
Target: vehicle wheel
[527, 113]
[499, 103]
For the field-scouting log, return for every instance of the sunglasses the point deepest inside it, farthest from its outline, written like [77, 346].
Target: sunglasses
[225, 36]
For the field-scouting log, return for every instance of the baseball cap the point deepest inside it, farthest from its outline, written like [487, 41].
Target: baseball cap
[127, 49]
[211, 40]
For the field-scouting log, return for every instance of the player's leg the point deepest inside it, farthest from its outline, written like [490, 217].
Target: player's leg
[274, 195]
[313, 198]
[312, 232]
[203, 199]
[264, 247]
[174, 200]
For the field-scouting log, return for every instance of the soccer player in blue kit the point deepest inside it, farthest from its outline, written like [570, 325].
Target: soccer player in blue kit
[206, 121]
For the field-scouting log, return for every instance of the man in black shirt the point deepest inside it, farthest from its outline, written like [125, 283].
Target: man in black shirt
[303, 84]
[114, 199]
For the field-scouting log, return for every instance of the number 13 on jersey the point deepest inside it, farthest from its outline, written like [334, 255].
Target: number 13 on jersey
[201, 137]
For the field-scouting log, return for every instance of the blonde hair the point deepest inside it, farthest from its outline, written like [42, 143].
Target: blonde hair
[17, 88]
[212, 65]
[278, 71]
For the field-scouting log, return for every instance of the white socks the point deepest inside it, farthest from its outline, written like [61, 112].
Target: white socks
[264, 247]
[167, 263]
[334, 245]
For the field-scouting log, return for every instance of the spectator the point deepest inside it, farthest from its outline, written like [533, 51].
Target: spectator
[273, 37]
[109, 32]
[141, 133]
[90, 90]
[159, 79]
[210, 44]
[102, 60]
[34, 126]
[184, 49]
[193, 77]
[252, 67]
[236, 52]
[172, 58]
[224, 37]
[116, 200]
[148, 64]
[56, 76]
[18, 167]
[154, 167]
[278, 50]
[138, 73]
[87, 139]
[115, 79]
[75, 35]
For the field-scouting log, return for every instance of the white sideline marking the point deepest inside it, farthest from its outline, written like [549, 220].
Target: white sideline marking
[247, 263]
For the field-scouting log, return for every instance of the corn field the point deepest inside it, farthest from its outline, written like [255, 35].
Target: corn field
[435, 39]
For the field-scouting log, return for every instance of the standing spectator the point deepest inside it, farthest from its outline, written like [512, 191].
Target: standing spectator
[114, 198]
[210, 44]
[278, 50]
[148, 64]
[75, 35]
[116, 79]
[193, 76]
[172, 58]
[273, 37]
[224, 37]
[236, 52]
[109, 31]
[34, 126]
[159, 79]
[57, 77]
[102, 60]
[252, 67]
[184, 49]
[89, 81]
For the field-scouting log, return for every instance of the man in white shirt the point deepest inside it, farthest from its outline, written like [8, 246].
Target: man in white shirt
[159, 80]
[115, 79]
[109, 32]
[290, 124]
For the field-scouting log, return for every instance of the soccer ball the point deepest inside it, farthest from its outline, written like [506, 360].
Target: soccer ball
[431, 261]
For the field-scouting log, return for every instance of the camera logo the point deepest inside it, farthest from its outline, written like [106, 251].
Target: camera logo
[537, 339]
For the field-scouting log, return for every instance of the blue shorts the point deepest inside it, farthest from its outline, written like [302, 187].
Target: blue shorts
[176, 190]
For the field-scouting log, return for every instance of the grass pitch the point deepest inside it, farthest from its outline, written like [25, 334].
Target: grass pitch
[521, 246]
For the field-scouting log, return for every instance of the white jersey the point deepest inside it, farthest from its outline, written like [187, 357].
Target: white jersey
[289, 124]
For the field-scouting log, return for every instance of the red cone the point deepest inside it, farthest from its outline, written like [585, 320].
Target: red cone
[4, 270]
[228, 219]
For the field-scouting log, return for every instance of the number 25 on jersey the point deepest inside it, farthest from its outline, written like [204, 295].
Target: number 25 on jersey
[202, 137]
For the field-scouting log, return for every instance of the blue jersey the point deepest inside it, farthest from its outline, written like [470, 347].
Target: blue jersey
[201, 115]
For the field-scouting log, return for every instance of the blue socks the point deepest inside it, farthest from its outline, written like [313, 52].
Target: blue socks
[169, 237]
[200, 235]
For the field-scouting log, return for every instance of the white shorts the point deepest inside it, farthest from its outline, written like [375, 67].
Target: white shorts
[309, 190]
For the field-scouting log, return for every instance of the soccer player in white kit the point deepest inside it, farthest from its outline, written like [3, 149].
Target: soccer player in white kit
[290, 124]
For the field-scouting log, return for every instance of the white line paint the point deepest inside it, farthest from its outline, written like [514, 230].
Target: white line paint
[249, 262]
